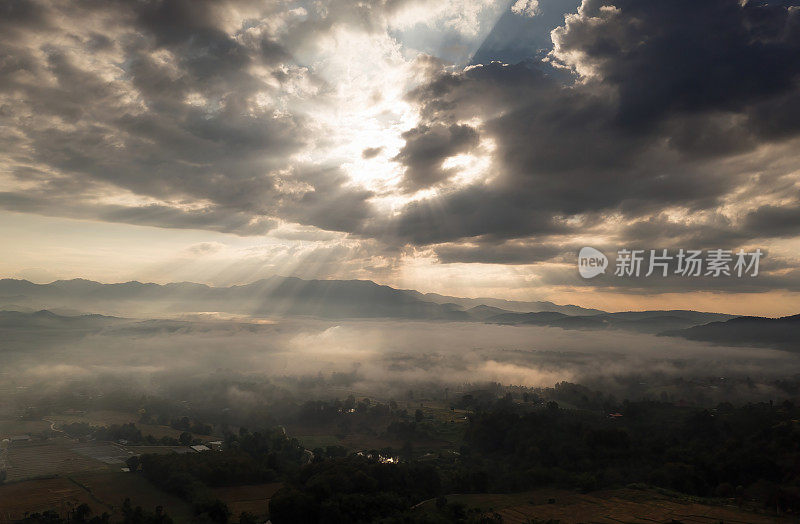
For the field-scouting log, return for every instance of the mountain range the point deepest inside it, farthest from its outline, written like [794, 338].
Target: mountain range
[359, 299]
[276, 296]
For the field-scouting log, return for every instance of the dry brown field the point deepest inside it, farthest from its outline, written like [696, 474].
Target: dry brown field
[59, 494]
[38, 459]
[608, 506]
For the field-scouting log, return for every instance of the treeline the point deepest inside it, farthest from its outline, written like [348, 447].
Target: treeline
[352, 490]
[180, 424]
[128, 433]
[248, 458]
[746, 452]
[83, 514]
[330, 487]
[367, 417]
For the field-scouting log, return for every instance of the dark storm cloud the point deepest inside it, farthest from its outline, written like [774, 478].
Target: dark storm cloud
[685, 56]
[21, 14]
[427, 147]
[470, 212]
[525, 252]
[331, 205]
[665, 96]
[774, 221]
[177, 21]
[559, 152]
[715, 231]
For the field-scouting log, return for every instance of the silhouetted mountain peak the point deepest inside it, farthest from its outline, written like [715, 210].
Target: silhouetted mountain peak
[783, 332]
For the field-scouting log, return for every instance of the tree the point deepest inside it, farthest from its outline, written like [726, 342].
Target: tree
[137, 515]
[185, 438]
[216, 511]
[133, 463]
[419, 415]
[407, 451]
[248, 518]
[82, 513]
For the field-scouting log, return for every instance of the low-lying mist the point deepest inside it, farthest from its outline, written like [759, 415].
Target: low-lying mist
[383, 359]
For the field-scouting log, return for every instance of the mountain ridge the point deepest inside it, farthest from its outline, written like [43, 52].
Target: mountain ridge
[279, 296]
[780, 332]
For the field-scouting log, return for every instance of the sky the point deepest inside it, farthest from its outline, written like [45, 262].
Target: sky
[465, 147]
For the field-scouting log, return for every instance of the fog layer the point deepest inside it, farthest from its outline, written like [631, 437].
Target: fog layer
[379, 358]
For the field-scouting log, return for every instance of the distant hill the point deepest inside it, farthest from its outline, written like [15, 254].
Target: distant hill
[534, 318]
[48, 320]
[642, 321]
[27, 331]
[781, 332]
[272, 296]
[35, 330]
[340, 299]
[507, 305]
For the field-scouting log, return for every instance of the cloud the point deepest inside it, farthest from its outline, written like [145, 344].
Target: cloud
[205, 248]
[774, 221]
[508, 252]
[427, 148]
[371, 152]
[162, 103]
[669, 131]
[683, 57]
[526, 7]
